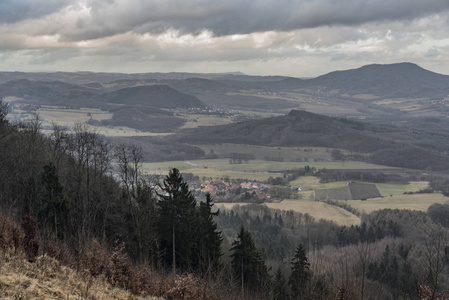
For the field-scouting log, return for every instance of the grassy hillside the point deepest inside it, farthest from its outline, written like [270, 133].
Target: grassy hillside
[49, 279]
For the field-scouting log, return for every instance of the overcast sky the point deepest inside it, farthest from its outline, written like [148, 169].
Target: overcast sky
[301, 38]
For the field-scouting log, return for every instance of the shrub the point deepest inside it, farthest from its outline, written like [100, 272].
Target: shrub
[11, 235]
[30, 243]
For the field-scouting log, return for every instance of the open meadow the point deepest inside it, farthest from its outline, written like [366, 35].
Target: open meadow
[68, 117]
[305, 154]
[388, 189]
[162, 168]
[419, 202]
[258, 165]
[322, 210]
[385, 189]
[194, 121]
[49, 115]
[318, 210]
[253, 170]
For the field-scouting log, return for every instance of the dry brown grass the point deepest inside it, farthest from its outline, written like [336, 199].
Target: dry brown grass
[101, 273]
[68, 117]
[194, 121]
[318, 210]
[46, 278]
[419, 202]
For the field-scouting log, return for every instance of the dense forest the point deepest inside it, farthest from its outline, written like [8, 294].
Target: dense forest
[75, 197]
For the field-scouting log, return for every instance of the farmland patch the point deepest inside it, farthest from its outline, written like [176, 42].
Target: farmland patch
[318, 210]
[413, 202]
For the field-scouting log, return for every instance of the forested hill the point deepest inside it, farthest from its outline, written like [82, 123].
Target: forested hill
[405, 147]
[300, 128]
[399, 80]
[394, 80]
[159, 96]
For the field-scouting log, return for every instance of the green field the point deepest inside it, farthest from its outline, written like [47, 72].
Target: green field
[313, 183]
[261, 152]
[259, 165]
[165, 166]
[162, 168]
[193, 121]
[413, 202]
[254, 169]
[385, 189]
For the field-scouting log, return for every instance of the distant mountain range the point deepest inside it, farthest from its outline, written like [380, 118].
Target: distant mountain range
[402, 94]
[394, 80]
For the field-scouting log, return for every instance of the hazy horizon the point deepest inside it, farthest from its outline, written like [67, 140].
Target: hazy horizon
[287, 38]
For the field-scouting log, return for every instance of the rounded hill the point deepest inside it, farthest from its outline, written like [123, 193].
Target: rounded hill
[379, 144]
[159, 96]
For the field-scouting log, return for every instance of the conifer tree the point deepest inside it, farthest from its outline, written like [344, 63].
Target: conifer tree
[300, 276]
[247, 263]
[208, 237]
[55, 209]
[176, 222]
[280, 289]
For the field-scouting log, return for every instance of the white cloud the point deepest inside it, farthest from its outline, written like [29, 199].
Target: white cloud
[302, 38]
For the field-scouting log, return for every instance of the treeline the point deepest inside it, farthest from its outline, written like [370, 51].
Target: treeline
[160, 149]
[404, 252]
[410, 157]
[75, 197]
[278, 232]
[141, 118]
[239, 158]
[440, 184]
[66, 182]
[74, 190]
[77, 187]
[342, 175]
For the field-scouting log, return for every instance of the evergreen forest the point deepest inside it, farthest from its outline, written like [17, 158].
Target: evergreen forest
[73, 196]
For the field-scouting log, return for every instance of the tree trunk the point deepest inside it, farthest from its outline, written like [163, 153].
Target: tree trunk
[174, 252]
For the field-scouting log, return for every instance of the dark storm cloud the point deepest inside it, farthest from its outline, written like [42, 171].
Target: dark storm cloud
[12, 11]
[247, 16]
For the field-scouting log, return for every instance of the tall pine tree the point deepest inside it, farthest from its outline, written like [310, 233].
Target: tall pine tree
[55, 209]
[176, 222]
[301, 274]
[247, 263]
[280, 289]
[209, 239]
